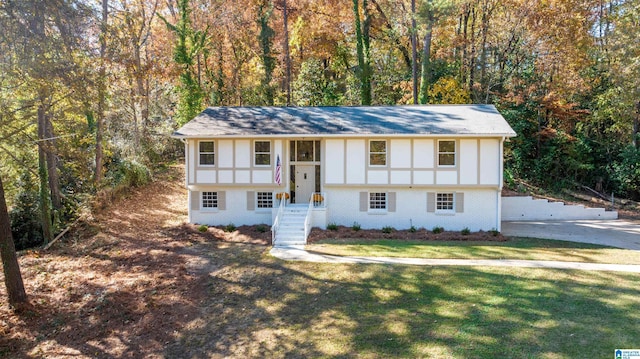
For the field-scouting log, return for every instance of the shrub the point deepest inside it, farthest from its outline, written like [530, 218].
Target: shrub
[437, 229]
[230, 227]
[332, 226]
[261, 228]
[26, 226]
[203, 228]
[465, 231]
[494, 232]
[356, 227]
[387, 229]
[413, 229]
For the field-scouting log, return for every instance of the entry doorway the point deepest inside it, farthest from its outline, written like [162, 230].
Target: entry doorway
[305, 169]
[305, 182]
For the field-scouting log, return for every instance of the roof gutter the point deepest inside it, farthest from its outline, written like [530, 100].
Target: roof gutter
[380, 135]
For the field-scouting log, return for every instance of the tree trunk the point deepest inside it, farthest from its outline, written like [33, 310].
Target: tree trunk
[12, 277]
[287, 58]
[52, 161]
[366, 27]
[45, 208]
[426, 63]
[636, 128]
[98, 174]
[414, 53]
[472, 54]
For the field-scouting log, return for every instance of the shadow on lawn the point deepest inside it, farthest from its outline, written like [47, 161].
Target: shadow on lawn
[261, 307]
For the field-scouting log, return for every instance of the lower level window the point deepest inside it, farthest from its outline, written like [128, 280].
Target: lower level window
[377, 200]
[209, 199]
[445, 202]
[265, 199]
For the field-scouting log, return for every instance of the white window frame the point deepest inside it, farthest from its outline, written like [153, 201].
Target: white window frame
[455, 144]
[213, 198]
[442, 201]
[261, 201]
[379, 204]
[385, 153]
[256, 153]
[200, 153]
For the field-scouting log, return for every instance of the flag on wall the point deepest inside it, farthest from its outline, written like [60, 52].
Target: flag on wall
[278, 171]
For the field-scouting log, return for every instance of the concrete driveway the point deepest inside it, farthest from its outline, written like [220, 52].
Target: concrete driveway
[615, 233]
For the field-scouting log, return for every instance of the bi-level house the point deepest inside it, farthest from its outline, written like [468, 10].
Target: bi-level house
[298, 167]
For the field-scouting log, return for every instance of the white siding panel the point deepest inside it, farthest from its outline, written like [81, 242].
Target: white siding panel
[400, 177]
[468, 161]
[243, 176]
[193, 161]
[225, 176]
[243, 154]
[446, 177]
[263, 176]
[411, 209]
[205, 176]
[490, 161]
[334, 169]
[378, 177]
[400, 153]
[422, 177]
[225, 153]
[423, 153]
[356, 160]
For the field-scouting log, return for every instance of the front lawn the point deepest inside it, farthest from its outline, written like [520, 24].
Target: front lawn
[259, 306]
[515, 248]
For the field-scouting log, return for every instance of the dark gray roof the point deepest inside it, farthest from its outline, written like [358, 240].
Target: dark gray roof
[465, 120]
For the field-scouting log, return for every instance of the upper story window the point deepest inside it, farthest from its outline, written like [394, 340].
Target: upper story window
[445, 202]
[262, 150]
[446, 153]
[209, 199]
[377, 153]
[264, 199]
[377, 200]
[207, 153]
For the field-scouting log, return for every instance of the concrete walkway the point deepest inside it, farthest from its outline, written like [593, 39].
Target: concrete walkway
[298, 253]
[614, 233]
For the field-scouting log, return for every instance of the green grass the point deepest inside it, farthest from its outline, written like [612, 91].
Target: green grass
[259, 306]
[516, 248]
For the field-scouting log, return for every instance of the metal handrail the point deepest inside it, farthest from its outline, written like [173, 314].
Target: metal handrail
[276, 222]
[307, 219]
[319, 199]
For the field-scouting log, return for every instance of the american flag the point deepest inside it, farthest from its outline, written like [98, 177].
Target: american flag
[278, 170]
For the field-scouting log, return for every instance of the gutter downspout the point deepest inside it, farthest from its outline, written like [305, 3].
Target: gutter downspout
[186, 177]
[499, 192]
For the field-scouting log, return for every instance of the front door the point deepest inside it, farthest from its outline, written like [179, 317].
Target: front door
[305, 182]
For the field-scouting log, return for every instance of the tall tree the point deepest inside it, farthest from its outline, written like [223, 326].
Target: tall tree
[189, 43]
[102, 89]
[265, 9]
[363, 50]
[12, 276]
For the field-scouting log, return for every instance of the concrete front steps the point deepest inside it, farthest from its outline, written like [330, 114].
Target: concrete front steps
[526, 208]
[291, 230]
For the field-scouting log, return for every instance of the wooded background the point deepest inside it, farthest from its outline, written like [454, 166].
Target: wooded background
[90, 90]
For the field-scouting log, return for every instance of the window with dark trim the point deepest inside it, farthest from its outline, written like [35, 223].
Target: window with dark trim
[209, 199]
[206, 151]
[446, 153]
[445, 202]
[264, 199]
[377, 201]
[262, 152]
[377, 153]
